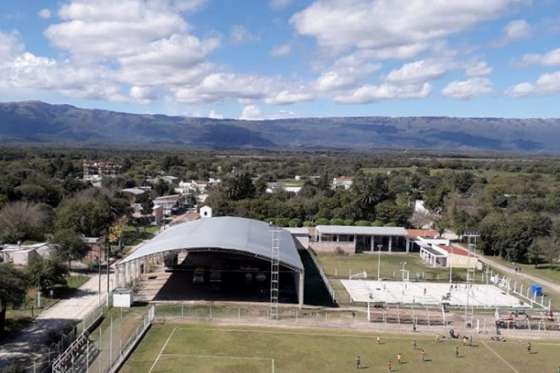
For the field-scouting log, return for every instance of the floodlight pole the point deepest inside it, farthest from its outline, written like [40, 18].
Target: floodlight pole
[379, 246]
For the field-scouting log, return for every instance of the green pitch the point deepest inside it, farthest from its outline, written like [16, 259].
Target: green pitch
[205, 348]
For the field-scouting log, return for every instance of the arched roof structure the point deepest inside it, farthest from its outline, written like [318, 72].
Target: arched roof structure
[230, 234]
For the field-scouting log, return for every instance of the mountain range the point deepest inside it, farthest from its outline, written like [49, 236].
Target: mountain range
[33, 122]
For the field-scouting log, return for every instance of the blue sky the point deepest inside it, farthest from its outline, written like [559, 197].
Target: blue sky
[264, 59]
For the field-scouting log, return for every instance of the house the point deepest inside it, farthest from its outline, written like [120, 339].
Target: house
[167, 203]
[344, 182]
[21, 255]
[96, 251]
[196, 186]
[165, 178]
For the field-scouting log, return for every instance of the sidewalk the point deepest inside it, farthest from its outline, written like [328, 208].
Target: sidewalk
[30, 343]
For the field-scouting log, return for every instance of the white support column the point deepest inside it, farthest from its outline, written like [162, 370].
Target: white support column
[301, 287]
[407, 245]
[390, 243]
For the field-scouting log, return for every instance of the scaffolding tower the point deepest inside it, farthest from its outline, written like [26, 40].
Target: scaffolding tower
[275, 273]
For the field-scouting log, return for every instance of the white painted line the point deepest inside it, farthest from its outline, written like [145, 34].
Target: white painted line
[499, 356]
[162, 349]
[382, 333]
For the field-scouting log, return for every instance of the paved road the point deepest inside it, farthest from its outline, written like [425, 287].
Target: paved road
[30, 342]
[549, 284]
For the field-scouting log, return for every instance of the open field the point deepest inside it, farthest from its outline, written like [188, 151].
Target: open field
[547, 272]
[209, 348]
[340, 266]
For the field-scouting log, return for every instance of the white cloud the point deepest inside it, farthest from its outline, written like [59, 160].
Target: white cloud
[518, 29]
[380, 24]
[346, 72]
[10, 46]
[467, 89]
[546, 84]
[551, 58]
[241, 35]
[251, 112]
[143, 94]
[478, 68]
[277, 4]
[418, 72]
[288, 97]
[372, 93]
[281, 50]
[110, 29]
[44, 13]
[213, 114]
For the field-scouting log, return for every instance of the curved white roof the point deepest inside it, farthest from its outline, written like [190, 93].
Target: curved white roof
[225, 233]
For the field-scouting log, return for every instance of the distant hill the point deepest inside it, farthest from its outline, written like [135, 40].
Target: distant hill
[40, 123]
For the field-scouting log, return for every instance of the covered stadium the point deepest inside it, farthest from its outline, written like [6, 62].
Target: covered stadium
[220, 258]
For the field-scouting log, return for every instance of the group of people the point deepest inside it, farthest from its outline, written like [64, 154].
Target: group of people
[398, 357]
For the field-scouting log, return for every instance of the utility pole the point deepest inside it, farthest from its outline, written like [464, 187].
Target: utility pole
[107, 253]
[379, 246]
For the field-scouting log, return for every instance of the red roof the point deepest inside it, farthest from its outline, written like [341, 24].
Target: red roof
[424, 233]
[455, 250]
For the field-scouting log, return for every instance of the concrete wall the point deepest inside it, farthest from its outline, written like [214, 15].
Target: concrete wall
[461, 261]
[333, 247]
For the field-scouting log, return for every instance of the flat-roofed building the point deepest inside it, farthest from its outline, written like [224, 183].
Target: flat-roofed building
[353, 239]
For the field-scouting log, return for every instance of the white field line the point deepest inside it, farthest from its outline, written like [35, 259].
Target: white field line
[162, 349]
[223, 357]
[312, 334]
[499, 356]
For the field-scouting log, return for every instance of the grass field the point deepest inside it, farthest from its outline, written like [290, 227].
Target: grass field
[341, 265]
[209, 348]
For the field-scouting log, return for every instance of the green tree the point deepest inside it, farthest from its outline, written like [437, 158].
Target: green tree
[20, 221]
[46, 273]
[13, 288]
[89, 215]
[70, 245]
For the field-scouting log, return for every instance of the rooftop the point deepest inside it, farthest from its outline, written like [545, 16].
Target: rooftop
[367, 231]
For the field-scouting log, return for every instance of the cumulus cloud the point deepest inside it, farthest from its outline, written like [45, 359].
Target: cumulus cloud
[372, 93]
[281, 50]
[546, 84]
[379, 24]
[551, 58]
[44, 13]
[518, 29]
[241, 35]
[251, 112]
[478, 68]
[346, 72]
[467, 89]
[289, 97]
[418, 72]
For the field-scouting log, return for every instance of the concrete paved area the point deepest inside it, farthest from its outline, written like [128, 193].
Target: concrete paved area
[30, 343]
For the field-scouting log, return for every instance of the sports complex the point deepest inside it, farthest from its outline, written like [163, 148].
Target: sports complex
[229, 294]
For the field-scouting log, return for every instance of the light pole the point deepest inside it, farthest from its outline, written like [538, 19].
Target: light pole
[379, 246]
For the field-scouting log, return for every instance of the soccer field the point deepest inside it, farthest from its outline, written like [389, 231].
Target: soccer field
[210, 348]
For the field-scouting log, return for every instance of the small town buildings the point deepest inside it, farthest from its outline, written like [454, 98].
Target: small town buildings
[441, 253]
[22, 255]
[96, 251]
[167, 203]
[352, 239]
[196, 186]
[95, 171]
[344, 182]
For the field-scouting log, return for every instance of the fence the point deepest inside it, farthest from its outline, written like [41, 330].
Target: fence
[106, 348]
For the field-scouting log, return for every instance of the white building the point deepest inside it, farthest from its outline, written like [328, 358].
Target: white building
[342, 182]
[205, 212]
[443, 254]
[21, 255]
